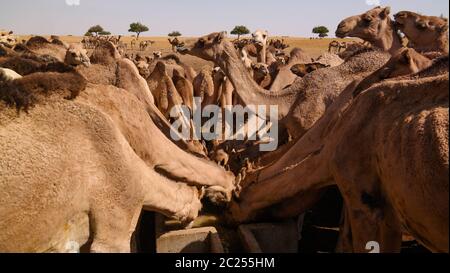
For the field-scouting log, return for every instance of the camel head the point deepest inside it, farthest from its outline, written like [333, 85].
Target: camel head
[260, 37]
[369, 26]
[302, 70]
[406, 62]
[420, 29]
[260, 69]
[157, 55]
[76, 55]
[206, 47]
[143, 68]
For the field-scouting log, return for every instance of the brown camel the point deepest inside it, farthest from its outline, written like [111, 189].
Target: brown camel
[285, 77]
[262, 75]
[299, 106]
[375, 26]
[175, 43]
[406, 62]
[427, 33]
[391, 176]
[336, 46]
[108, 68]
[184, 88]
[302, 70]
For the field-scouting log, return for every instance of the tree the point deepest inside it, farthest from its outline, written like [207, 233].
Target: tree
[104, 33]
[96, 29]
[88, 34]
[240, 30]
[138, 28]
[175, 34]
[321, 30]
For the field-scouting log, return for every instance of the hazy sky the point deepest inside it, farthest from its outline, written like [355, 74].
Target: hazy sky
[192, 17]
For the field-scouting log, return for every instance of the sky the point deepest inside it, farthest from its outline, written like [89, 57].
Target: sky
[193, 17]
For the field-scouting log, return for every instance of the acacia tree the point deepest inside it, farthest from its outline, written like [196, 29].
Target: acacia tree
[138, 28]
[175, 34]
[97, 30]
[240, 30]
[321, 30]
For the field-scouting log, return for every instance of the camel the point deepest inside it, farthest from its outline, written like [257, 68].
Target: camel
[73, 54]
[406, 62]
[261, 75]
[8, 39]
[204, 87]
[285, 77]
[375, 26]
[184, 88]
[329, 59]
[260, 38]
[427, 33]
[175, 43]
[336, 46]
[94, 184]
[163, 90]
[300, 105]
[109, 68]
[302, 70]
[391, 176]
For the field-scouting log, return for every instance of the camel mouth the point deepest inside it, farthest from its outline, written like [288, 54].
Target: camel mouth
[341, 33]
[182, 49]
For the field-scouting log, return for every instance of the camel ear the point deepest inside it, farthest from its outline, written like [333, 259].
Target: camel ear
[386, 12]
[220, 37]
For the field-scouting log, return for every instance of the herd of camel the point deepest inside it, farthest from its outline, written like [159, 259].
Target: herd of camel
[85, 136]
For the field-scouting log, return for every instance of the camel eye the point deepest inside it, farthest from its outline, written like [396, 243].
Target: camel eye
[201, 43]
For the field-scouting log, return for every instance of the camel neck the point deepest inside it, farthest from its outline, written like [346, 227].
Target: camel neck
[247, 89]
[391, 41]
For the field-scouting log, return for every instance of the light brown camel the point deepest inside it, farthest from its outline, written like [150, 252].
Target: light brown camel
[109, 68]
[302, 70]
[375, 26]
[285, 77]
[163, 89]
[386, 149]
[427, 33]
[299, 106]
[119, 143]
[175, 43]
[336, 46]
[184, 88]
[204, 87]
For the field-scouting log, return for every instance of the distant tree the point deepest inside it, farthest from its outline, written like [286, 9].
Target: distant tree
[96, 29]
[138, 28]
[104, 33]
[175, 34]
[322, 31]
[88, 34]
[240, 30]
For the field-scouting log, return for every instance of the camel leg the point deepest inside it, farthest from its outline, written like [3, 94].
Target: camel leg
[344, 244]
[174, 200]
[373, 226]
[111, 229]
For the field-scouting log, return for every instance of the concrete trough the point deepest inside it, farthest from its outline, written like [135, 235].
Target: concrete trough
[270, 237]
[198, 240]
